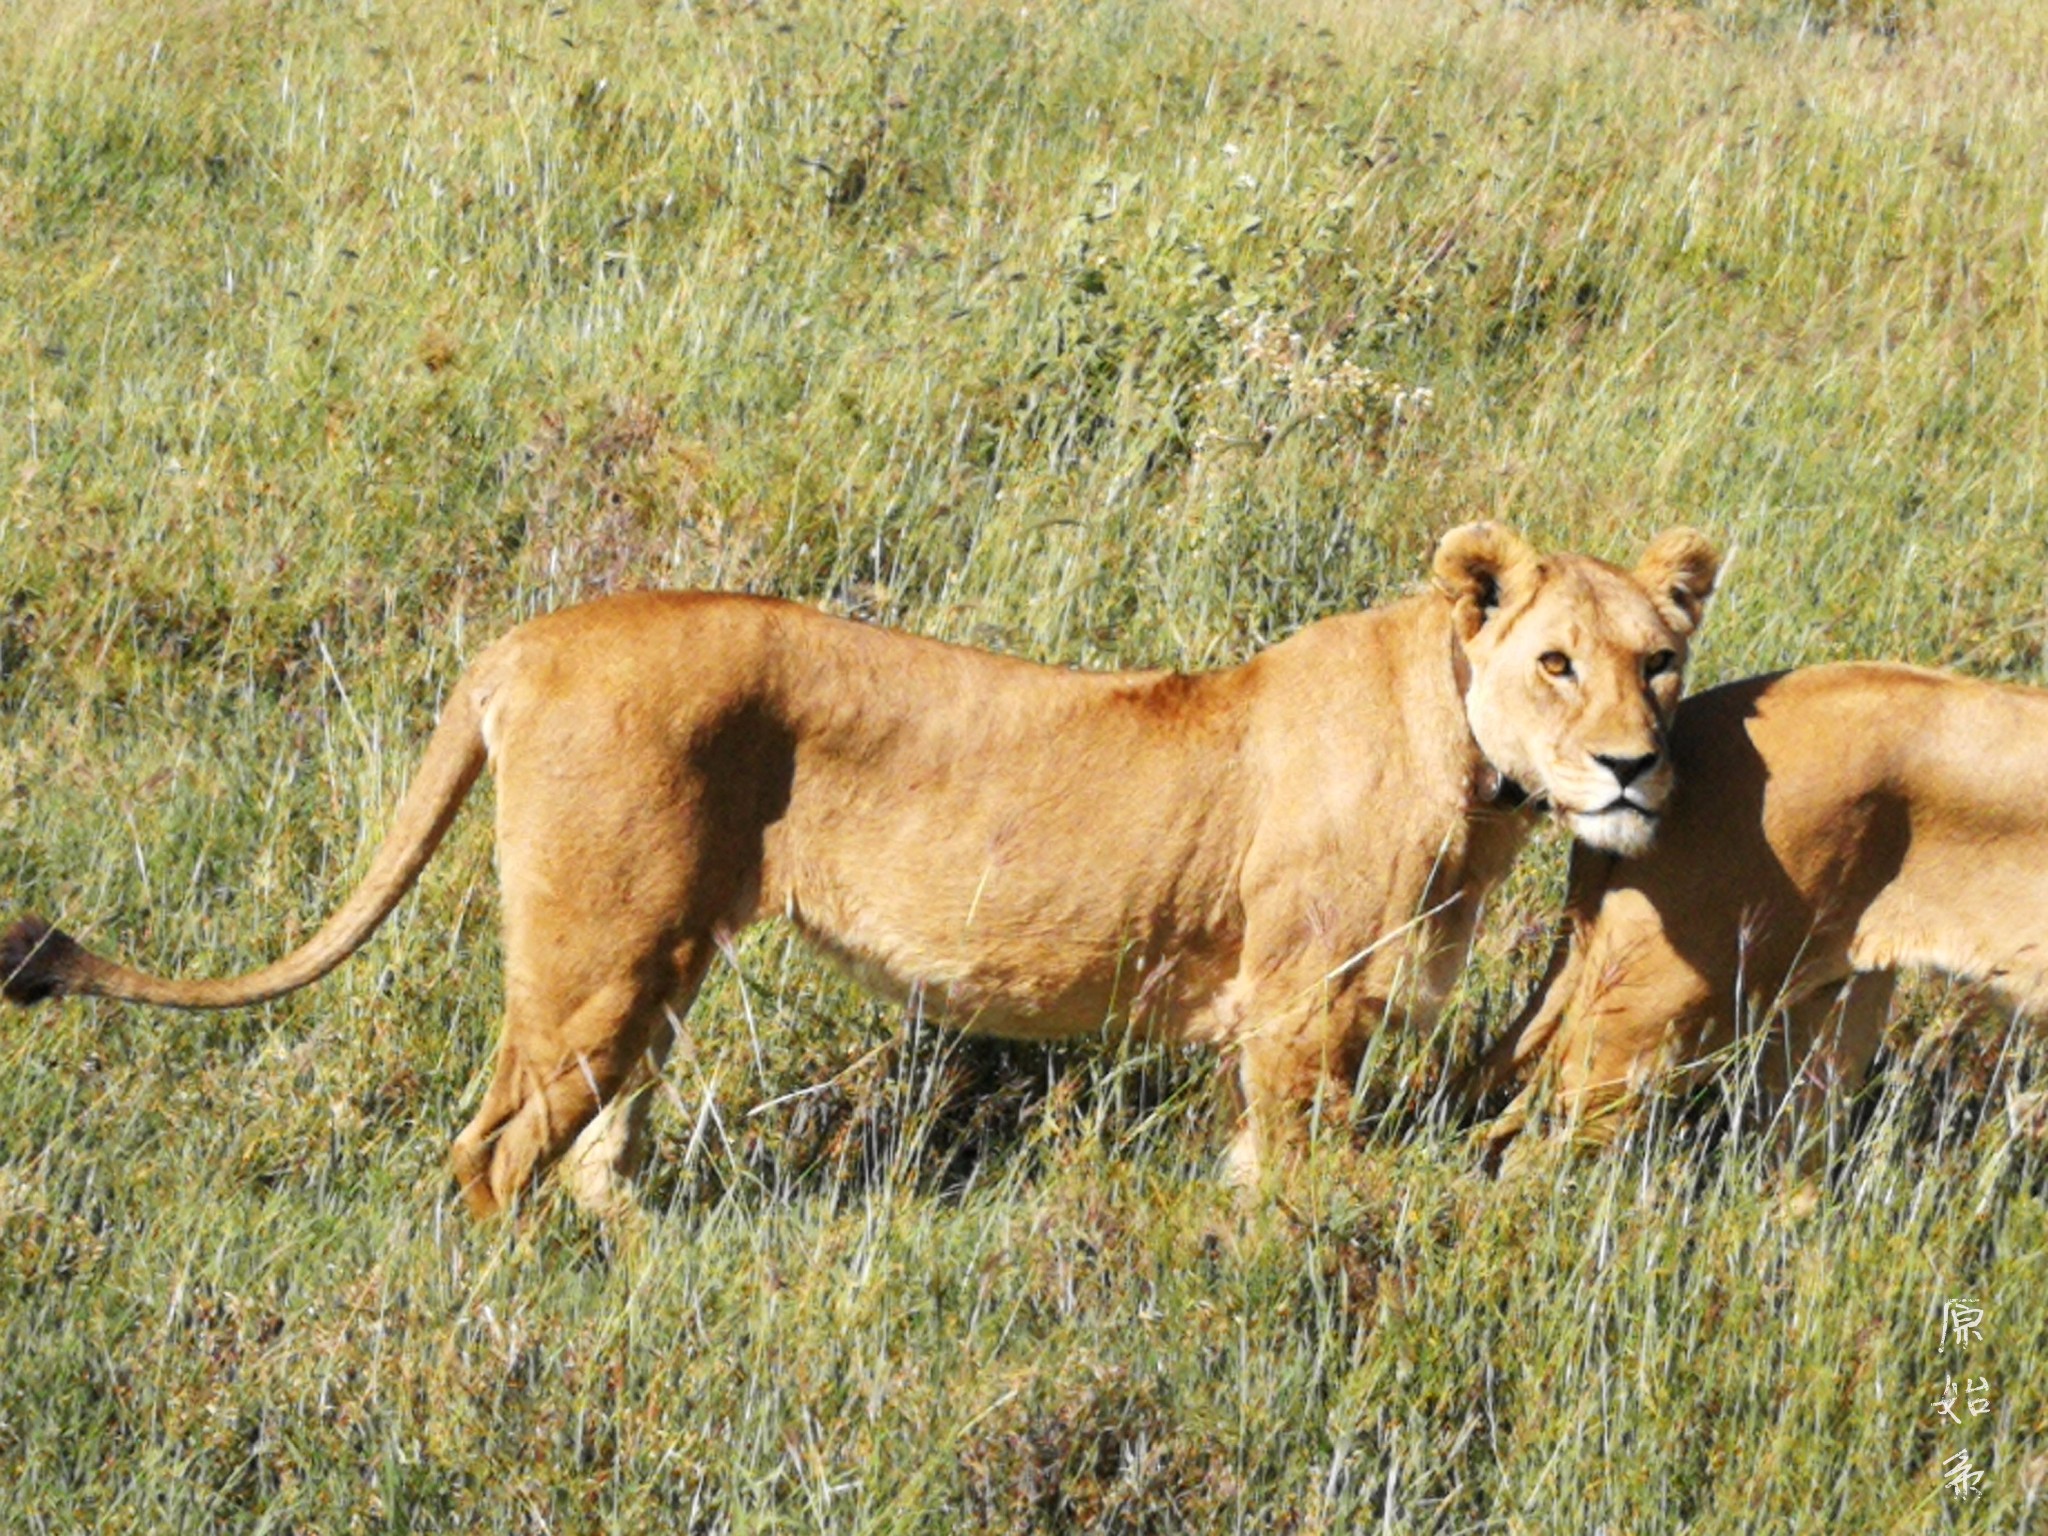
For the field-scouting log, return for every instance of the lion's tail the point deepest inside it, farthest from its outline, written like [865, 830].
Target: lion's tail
[38, 961]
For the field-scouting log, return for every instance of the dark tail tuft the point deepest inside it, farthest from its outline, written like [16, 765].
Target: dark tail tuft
[36, 961]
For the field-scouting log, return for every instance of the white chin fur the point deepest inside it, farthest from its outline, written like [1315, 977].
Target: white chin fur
[1623, 831]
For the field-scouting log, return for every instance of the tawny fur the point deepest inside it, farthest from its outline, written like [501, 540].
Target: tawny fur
[1271, 858]
[1835, 825]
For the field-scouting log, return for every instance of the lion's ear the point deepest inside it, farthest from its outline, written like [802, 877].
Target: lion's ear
[1480, 566]
[1678, 571]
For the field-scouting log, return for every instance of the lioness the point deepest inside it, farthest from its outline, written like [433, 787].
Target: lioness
[1835, 824]
[1269, 857]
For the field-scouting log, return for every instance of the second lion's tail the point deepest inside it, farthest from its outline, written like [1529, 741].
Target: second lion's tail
[38, 961]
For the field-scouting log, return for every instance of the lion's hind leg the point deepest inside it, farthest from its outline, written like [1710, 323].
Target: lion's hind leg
[594, 993]
[630, 831]
[570, 1087]
[602, 1166]
[555, 1077]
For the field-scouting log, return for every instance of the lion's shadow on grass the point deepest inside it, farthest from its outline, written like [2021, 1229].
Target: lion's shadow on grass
[935, 1112]
[1974, 1084]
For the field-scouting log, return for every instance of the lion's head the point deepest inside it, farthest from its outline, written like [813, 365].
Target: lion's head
[1576, 666]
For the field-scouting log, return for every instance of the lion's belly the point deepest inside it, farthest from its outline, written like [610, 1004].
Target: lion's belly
[1060, 863]
[1000, 968]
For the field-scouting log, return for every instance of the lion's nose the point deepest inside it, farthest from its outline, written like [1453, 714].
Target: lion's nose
[1626, 770]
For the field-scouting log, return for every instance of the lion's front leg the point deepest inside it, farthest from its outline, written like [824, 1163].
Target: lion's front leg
[1297, 1064]
[1814, 1066]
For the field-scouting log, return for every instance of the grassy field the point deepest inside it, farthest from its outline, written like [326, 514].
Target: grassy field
[340, 336]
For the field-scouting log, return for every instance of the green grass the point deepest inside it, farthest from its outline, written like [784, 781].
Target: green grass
[338, 338]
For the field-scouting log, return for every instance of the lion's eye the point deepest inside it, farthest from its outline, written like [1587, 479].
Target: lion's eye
[1660, 663]
[1556, 663]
